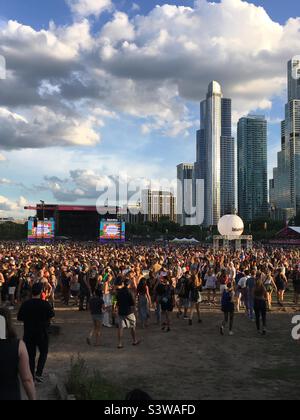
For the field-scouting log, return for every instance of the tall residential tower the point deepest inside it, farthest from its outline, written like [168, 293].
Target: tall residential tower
[216, 156]
[285, 185]
[252, 168]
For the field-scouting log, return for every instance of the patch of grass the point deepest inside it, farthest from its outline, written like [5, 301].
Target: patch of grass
[89, 387]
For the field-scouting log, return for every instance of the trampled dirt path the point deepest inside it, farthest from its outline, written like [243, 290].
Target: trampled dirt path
[189, 362]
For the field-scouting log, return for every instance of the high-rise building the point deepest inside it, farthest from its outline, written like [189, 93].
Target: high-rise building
[285, 185]
[294, 79]
[216, 156]
[228, 172]
[185, 213]
[252, 168]
[158, 204]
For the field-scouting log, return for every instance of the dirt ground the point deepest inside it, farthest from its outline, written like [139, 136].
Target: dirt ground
[189, 362]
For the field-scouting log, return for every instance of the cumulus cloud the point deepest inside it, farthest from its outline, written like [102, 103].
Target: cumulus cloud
[2, 158]
[7, 205]
[146, 66]
[5, 181]
[83, 184]
[44, 127]
[89, 7]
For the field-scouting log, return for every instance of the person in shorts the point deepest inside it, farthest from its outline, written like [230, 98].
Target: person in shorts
[228, 309]
[211, 286]
[126, 313]
[12, 287]
[96, 306]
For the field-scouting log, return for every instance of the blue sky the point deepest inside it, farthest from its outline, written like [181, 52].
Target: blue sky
[134, 112]
[31, 13]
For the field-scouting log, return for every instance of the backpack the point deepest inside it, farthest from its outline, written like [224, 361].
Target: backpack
[226, 299]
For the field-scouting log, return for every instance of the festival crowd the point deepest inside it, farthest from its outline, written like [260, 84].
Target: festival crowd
[120, 284]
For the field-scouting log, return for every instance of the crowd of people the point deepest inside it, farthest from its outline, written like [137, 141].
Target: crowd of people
[121, 285]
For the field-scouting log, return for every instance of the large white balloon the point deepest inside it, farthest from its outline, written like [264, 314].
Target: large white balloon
[231, 225]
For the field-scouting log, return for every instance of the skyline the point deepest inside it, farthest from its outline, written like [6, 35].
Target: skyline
[138, 85]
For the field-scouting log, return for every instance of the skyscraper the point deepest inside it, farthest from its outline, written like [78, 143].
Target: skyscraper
[215, 155]
[285, 185]
[228, 173]
[156, 205]
[185, 194]
[294, 79]
[252, 168]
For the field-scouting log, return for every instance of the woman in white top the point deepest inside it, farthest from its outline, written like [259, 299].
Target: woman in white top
[210, 286]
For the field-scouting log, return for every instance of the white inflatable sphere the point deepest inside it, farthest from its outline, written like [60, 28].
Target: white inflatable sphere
[231, 225]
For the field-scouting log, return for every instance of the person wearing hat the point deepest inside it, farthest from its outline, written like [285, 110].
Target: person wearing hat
[36, 315]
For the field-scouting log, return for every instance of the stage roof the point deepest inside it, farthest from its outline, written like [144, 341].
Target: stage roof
[64, 207]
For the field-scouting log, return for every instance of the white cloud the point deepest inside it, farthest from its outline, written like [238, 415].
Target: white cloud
[146, 67]
[84, 184]
[101, 112]
[5, 181]
[43, 127]
[135, 7]
[118, 29]
[2, 158]
[89, 7]
[7, 205]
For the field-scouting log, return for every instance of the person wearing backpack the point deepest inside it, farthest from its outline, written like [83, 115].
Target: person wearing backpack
[228, 309]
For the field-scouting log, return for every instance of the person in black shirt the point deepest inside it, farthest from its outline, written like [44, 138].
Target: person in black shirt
[126, 306]
[167, 302]
[36, 315]
[97, 307]
[14, 362]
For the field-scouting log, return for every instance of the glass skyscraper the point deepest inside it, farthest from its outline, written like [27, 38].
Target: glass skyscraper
[285, 185]
[185, 173]
[215, 162]
[252, 168]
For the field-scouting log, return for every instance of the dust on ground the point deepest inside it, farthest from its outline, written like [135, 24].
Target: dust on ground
[190, 362]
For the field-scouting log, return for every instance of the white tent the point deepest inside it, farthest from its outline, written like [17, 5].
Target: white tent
[186, 241]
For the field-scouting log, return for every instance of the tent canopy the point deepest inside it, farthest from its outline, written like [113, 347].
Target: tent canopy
[185, 240]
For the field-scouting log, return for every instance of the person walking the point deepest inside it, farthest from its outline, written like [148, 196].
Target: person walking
[144, 302]
[36, 315]
[270, 286]
[195, 298]
[126, 313]
[211, 286]
[281, 284]
[227, 307]
[96, 308]
[260, 297]
[250, 287]
[14, 363]
[167, 303]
